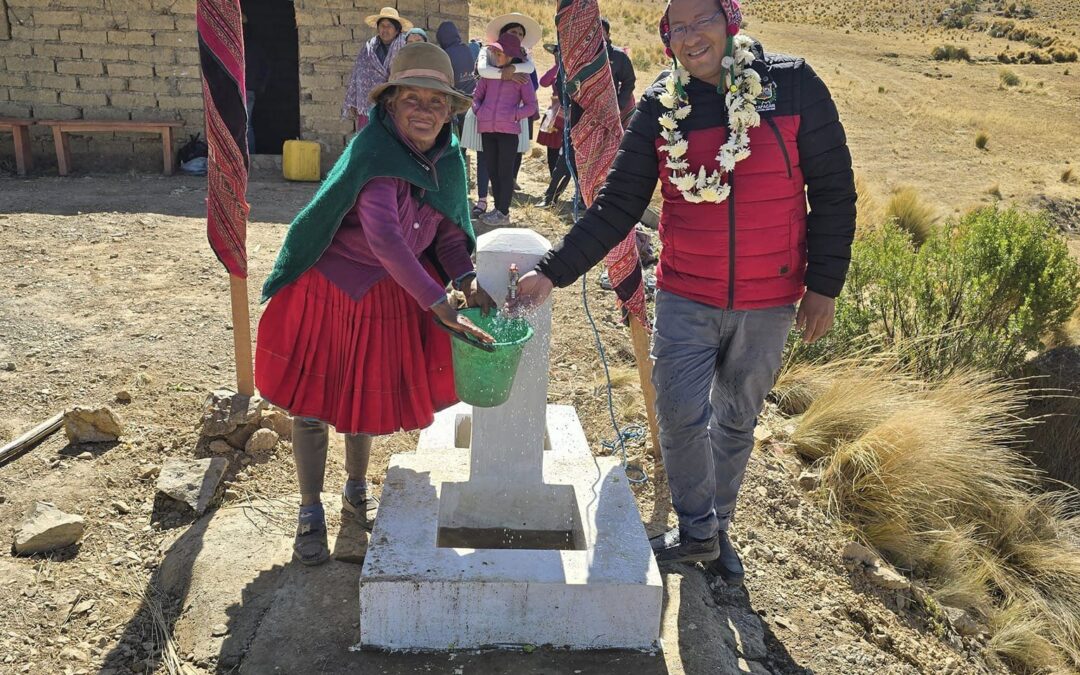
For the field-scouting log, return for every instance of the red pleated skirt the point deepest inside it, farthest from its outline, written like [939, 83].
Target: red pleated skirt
[375, 365]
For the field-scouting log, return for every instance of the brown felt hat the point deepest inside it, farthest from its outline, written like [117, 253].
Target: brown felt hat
[423, 65]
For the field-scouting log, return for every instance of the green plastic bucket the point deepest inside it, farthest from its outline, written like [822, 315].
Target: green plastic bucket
[484, 378]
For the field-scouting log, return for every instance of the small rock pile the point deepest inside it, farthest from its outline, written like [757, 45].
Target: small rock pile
[231, 421]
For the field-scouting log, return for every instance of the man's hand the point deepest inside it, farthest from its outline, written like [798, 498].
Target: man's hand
[477, 297]
[815, 316]
[532, 290]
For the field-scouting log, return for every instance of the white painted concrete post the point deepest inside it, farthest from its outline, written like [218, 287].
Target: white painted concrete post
[508, 441]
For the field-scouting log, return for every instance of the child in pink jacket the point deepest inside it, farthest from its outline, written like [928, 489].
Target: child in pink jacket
[500, 105]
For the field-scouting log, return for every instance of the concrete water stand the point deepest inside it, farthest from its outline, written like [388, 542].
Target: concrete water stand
[502, 528]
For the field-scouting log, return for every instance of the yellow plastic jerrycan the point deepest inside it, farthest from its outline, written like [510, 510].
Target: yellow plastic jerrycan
[300, 160]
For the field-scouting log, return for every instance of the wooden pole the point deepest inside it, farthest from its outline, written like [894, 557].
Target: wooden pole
[31, 438]
[640, 338]
[241, 322]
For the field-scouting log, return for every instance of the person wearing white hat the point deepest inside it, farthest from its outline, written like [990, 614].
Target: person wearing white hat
[372, 66]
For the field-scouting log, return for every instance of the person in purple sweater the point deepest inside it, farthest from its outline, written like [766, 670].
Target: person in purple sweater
[500, 105]
[347, 338]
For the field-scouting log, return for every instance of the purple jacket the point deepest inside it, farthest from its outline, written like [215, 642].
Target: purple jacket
[385, 233]
[500, 105]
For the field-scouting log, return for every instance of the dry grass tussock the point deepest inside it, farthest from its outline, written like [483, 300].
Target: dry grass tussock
[930, 475]
[911, 213]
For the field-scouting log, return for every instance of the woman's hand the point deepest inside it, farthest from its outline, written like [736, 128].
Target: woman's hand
[532, 290]
[460, 324]
[477, 297]
[509, 73]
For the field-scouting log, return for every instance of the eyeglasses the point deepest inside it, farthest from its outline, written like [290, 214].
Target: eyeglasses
[683, 32]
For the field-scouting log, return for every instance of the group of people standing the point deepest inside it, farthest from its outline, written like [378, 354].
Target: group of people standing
[349, 335]
[500, 75]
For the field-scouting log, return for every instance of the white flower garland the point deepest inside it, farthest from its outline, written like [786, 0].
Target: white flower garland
[743, 89]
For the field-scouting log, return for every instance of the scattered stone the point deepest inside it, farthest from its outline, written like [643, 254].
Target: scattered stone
[219, 630]
[121, 507]
[783, 622]
[262, 440]
[963, 622]
[123, 396]
[884, 576]
[82, 608]
[149, 471]
[85, 455]
[46, 528]
[9, 367]
[239, 438]
[92, 425]
[220, 447]
[73, 654]
[810, 479]
[224, 411]
[762, 491]
[279, 421]
[856, 552]
[231, 494]
[192, 481]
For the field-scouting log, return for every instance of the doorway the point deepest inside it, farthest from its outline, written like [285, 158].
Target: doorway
[273, 56]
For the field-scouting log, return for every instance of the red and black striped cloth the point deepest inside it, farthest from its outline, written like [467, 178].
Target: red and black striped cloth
[221, 56]
[597, 133]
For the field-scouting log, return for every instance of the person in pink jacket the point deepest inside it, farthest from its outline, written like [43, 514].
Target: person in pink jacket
[500, 105]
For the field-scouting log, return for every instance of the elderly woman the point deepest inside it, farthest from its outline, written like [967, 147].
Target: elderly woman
[372, 65]
[348, 338]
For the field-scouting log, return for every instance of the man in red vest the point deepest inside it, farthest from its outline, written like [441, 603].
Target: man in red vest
[740, 141]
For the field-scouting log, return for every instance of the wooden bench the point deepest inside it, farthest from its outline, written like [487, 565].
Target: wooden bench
[61, 128]
[20, 129]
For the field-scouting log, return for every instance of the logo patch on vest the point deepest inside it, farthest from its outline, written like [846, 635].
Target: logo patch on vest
[766, 100]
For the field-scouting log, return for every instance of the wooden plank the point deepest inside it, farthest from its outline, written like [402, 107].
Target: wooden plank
[110, 125]
[245, 378]
[24, 157]
[63, 151]
[639, 336]
[167, 151]
[31, 438]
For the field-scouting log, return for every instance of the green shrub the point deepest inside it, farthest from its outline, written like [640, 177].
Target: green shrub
[1009, 78]
[950, 53]
[980, 292]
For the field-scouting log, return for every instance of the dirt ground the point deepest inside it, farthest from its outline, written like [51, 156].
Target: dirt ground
[107, 284]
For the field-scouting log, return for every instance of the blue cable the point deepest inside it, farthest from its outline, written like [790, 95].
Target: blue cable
[632, 433]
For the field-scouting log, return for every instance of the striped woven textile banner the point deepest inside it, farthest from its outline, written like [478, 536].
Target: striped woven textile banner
[597, 133]
[221, 55]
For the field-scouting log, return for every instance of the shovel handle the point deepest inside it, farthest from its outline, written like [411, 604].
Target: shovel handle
[464, 337]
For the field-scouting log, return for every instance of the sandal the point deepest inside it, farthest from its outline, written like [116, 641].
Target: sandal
[480, 208]
[363, 510]
[310, 546]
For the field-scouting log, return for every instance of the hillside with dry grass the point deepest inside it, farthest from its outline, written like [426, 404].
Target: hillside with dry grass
[917, 446]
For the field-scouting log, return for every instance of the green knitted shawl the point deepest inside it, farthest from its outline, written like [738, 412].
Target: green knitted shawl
[375, 152]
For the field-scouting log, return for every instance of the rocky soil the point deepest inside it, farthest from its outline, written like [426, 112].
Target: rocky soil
[128, 308]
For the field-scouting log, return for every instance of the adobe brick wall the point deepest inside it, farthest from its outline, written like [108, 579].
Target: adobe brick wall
[138, 59]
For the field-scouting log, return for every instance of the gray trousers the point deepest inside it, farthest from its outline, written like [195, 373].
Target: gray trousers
[712, 369]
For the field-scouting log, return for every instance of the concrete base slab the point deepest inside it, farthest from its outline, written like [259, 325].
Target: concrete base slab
[453, 429]
[417, 595]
